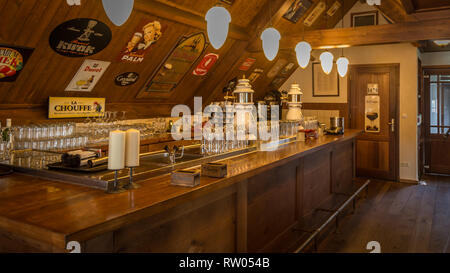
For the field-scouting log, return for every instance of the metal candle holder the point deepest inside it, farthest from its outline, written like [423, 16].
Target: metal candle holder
[130, 184]
[116, 183]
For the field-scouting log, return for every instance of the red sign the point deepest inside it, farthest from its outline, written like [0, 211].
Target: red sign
[247, 64]
[205, 65]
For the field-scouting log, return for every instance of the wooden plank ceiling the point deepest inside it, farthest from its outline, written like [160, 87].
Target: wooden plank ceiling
[30, 22]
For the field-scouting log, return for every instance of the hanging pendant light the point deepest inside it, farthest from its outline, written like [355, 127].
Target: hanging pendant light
[270, 42]
[342, 66]
[342, 62]
[326, 61]
[218, 20]
[118, 11]
[303, 52]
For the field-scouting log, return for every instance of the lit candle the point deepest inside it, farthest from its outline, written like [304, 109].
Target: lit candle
[116, 151]
[133, 140]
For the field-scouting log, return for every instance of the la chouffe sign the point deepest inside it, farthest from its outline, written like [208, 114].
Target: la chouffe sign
[12, 61]
[71, 107]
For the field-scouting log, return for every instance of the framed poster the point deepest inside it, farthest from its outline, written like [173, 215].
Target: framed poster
[12, 61]
[296, 10]
[368, 18]
[324, 85]
[87, 76]
[372, 114]
[80, 37]
[71, 107]
[143, 39]
[177, 64]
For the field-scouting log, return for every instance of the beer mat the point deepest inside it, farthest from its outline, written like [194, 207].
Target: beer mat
[83, 169]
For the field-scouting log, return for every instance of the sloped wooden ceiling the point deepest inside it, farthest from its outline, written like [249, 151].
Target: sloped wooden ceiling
[29, 23]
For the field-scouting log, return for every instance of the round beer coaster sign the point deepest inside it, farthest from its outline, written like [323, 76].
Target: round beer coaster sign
[127, 78]
[80, 37]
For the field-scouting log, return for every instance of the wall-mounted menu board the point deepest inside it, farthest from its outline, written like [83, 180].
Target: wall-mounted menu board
[176, 65]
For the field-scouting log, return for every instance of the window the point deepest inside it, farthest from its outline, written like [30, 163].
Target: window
[439, 104]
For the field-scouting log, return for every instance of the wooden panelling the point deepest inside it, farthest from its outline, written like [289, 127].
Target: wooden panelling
[274, 193]
[342, 167]
[204, 225]
[342, 107]
[316, 180]
[372, 155]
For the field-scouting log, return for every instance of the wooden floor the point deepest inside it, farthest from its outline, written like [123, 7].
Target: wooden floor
[401, 217]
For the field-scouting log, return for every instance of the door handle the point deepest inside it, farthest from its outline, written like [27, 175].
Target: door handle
[392, 124]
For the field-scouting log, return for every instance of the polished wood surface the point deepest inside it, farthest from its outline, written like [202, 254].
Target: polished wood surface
[53, 213]
[376, 153]
[401, 217]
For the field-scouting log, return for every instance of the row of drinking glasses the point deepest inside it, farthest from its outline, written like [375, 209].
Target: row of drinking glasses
[55, 144]
[288, 128]
[33, 159]
[37, 132]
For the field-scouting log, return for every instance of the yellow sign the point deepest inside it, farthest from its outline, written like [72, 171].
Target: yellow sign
[69, 107]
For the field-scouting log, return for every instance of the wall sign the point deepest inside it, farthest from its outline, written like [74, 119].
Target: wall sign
[297, 9]
[144, 37]
[247, 64]
[372, 114]
[336, 5]
[276, 68]
[12, 61]
[87, 76]
[177, 63]
[80, 37]
[70, 107]
[315, 13]
[205, 64]
[73, 2]
[255, 74]
[127, 78]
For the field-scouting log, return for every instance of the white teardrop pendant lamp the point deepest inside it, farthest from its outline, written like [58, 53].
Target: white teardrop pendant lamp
[218, 20]
[326, 61]
[118, 11]
[271, 42]
[303, 53]
[342, 66]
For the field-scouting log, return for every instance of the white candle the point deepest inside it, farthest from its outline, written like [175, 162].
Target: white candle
[116, 151]
[133, 143]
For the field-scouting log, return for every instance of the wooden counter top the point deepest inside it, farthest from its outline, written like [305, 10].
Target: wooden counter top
[56, 213]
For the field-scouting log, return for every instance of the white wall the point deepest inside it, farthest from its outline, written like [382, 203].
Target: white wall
[404, 54]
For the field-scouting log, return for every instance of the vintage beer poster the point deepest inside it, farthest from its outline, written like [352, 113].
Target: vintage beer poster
[142, 40]
[87, 76]
[372, 114]
[70, 107]
[80, 37]
[177, 64]
[12, 61]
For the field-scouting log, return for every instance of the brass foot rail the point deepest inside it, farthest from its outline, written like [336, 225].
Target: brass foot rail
[333, 216]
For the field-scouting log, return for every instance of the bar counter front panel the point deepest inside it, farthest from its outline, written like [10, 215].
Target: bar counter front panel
[258, 207]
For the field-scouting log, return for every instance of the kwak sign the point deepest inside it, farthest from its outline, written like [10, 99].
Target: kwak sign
[80, 37]
[12, 61]
[87, 76]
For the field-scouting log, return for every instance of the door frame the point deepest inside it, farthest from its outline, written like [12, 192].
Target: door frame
[426, 115]
[396, 87]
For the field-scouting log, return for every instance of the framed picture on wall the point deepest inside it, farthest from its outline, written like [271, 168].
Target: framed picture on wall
[324, 85]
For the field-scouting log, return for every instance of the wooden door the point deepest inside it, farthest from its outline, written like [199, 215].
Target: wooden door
[377, 147]
[437, 120]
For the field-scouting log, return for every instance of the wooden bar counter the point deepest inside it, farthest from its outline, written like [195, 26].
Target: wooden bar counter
[257, 207]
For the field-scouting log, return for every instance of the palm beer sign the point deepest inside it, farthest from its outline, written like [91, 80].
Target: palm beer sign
[71, 107]
[12, 61]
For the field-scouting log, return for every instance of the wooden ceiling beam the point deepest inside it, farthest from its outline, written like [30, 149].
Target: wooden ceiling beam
[270, 14]
[369, 35]
[394, 11]
[181, 15]
[408, 6]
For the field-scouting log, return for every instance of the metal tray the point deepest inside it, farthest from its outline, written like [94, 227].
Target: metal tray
[84, 169]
